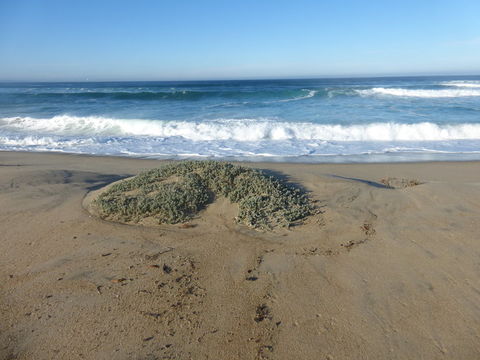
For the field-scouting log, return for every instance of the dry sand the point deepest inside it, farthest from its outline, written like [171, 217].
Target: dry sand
[379, 274]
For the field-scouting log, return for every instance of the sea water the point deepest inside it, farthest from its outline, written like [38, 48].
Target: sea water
[308, 120]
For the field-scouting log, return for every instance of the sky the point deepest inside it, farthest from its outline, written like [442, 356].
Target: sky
[77, 40]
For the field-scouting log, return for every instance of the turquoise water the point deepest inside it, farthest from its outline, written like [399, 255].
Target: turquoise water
[317, 120]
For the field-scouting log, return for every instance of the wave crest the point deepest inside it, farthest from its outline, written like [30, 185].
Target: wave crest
[466, 84]
[237, 129]
[420, 93]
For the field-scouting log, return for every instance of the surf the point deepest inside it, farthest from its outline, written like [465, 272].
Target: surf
[419, 93]
[254, 129]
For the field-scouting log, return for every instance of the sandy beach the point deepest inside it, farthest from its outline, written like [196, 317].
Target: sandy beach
[378, 273]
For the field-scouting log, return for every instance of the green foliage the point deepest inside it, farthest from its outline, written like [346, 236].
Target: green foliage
[176, 192]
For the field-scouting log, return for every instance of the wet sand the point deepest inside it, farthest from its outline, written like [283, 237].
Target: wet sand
[379, 273]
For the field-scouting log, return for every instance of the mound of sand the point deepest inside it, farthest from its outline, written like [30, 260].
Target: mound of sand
[177, 192]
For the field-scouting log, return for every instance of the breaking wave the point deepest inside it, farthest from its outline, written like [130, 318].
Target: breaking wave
[236, 129]
[421, 93]
[465, 84]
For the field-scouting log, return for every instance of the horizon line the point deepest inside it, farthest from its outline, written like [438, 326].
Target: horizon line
[322, 77]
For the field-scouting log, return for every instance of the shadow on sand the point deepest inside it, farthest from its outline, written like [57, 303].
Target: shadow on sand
[368, 182]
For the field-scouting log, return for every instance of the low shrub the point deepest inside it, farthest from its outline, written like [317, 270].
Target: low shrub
[176, 192]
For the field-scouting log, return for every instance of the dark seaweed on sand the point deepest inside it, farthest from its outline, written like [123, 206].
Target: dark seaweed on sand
[176, 192]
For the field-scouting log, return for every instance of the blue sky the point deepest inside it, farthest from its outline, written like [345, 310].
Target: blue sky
[180, 40]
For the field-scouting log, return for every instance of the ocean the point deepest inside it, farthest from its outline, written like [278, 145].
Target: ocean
[307, 120]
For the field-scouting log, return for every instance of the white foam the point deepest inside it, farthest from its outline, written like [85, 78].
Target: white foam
[420, 93]
[290, 150]
[466, 84]
[242, 130]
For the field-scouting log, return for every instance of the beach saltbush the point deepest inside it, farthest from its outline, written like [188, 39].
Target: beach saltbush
[175, 192]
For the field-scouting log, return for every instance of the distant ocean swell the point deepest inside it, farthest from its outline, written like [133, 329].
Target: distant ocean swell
[455, 90]
[179, 95]
[238, 129]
